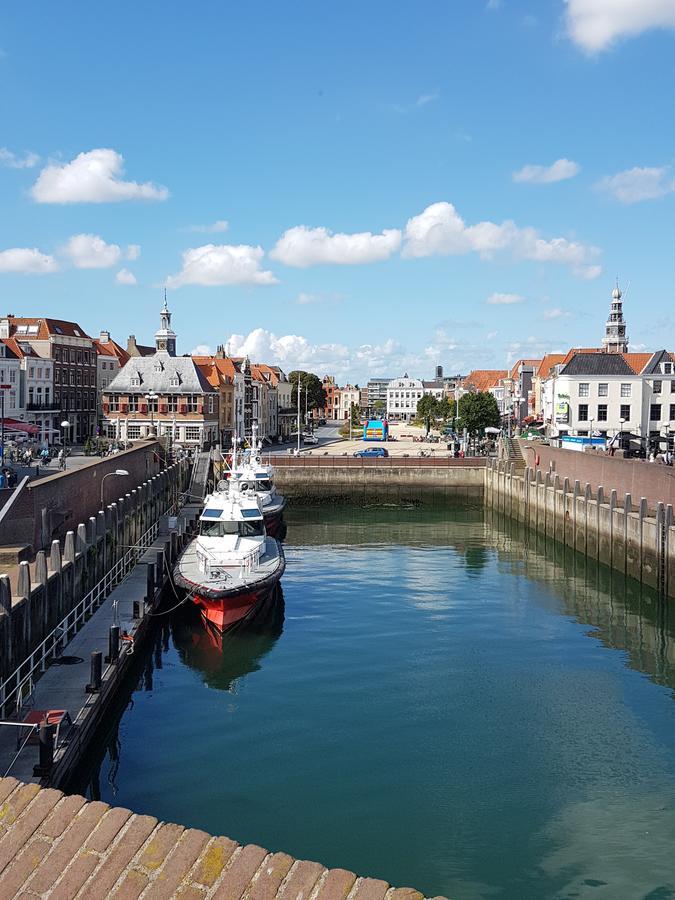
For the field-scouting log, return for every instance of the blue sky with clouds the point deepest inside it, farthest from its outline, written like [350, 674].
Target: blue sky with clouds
[356, 188]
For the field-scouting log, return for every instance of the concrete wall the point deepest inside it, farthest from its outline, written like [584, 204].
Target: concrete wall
[50, 506]
[615, 530]
[636, 477]
[62, 577]
[381, 483]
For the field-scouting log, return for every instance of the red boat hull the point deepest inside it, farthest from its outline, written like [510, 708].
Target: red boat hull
[227, 611]
[274, 523]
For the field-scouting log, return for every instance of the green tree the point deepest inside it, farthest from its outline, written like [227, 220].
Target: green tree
[427, 408]
[446, 409]
[379, 406]
[478, 411]
[316, 396]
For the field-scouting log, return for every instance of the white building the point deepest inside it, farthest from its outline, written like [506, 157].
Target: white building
[403, 395]
[10, 382]
[349, 396]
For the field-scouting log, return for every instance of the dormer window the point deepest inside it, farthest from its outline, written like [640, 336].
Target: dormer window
[667, 368]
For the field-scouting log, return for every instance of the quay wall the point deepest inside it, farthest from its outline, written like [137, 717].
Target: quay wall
[49, 507]
[60, 578]
[381, 480]
[653, 481]
[619, 531]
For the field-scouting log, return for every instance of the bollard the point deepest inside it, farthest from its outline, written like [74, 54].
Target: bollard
[44, 767]
[94, 685]
[113, 644]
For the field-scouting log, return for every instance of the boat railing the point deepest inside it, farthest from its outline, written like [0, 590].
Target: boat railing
[212, 564]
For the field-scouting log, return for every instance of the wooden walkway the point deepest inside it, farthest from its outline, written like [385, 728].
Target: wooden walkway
[63, 847]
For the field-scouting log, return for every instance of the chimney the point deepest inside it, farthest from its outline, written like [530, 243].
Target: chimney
[439, 373]
[132, 349]
[4, 328]
[104, 337]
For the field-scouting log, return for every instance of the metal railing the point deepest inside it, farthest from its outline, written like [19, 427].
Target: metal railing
[18, 687]
[308, 461]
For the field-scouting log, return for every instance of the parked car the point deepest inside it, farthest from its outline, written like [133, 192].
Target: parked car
[310, 439]
[372, 451]
[322, 421]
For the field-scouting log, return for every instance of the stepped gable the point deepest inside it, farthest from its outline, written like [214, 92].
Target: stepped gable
[64, 846]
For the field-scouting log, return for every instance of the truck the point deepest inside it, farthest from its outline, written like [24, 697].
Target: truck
[376, 430]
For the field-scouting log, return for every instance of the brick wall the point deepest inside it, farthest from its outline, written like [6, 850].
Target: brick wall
[638, 478]
[48, 507]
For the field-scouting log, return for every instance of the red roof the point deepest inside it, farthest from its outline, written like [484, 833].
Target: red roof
[547, 363]
[111, 348]
[45, 328]
[484, 379]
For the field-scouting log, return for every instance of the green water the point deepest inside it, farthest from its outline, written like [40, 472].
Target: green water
[436, 701]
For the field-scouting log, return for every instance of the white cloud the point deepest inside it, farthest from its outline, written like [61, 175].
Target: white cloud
[302, 246]
[634, 185]
[12, 161]
[28, 261]
[560, 170]
[89, 251]
[440, 230]
[215, 228]
[597, 24]
[202, 350]
[221, 264]
[92, 177]
[304, 299]
[424, 99]
[556, 313]
[124, 276]
[504, 299]
[491, 335]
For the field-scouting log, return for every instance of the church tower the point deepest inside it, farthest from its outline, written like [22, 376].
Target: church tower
[615, 340]
[165, 338]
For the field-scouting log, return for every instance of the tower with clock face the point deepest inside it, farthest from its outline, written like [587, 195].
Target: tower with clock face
[165, 338]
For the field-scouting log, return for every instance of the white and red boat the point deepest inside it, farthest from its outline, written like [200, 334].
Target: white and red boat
[232, 565]
[250, 474]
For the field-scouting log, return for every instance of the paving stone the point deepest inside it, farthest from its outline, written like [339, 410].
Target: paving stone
[190, 893]
[108, 829]
[370, 889]
[7, 785]
[241, 869]
[213, 860]
[177, 866]
[301, 879]
[154, 854]
[336, 885]
[270, 875]
[101, 882]
[61, 817]
[75, 876]
[67, 847]
[132, 886]
[404, 894]
[15, 804]
[26, 825]
[22, 867]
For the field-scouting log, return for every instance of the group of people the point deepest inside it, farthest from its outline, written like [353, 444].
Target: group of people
[8, 478]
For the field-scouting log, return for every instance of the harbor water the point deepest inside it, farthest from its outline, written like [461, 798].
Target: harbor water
[438, 699]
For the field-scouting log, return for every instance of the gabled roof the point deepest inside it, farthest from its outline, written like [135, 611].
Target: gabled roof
[18, 349]
[654, 360]
[575, 350]
[638, 361]
[222, 365]
[43, 329]
[484, 379]
[543, 370]
[533, 363]
[597, 364]
[112, 349]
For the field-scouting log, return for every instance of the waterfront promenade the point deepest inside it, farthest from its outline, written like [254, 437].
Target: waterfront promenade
[62, 847]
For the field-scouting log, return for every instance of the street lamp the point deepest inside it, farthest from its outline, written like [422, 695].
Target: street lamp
[65, 425]
[590, 433]
[108, 475]
[151, 396]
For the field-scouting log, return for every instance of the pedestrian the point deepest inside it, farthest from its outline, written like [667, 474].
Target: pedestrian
[11, 477]
[3, 480]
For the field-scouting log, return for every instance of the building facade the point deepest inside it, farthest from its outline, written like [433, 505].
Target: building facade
[110, 357]
[164, 394]
[403, 395]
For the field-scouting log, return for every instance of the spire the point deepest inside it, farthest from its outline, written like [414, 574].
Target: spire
[165, 337]
[615, 340]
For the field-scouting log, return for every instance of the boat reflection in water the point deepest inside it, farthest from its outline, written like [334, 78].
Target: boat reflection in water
[225, 657]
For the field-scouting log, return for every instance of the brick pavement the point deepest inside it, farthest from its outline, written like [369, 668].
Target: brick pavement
[62, 847]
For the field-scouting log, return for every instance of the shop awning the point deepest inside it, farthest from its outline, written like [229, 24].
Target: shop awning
[17, 425]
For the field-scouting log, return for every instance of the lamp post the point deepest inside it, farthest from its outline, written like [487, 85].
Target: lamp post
[65, 425]
[590, 433]
[151, 396]
[108, 475]
[298, 450]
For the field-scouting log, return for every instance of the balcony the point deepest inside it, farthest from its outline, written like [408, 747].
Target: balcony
[42, 407]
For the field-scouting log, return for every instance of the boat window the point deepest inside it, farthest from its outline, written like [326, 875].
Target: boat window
[210, 529]
[263, 484]
[251, 529]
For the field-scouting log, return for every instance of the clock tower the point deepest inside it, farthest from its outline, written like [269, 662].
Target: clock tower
[165, 338]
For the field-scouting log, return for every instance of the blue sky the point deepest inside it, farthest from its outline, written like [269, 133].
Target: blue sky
[354, 188]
